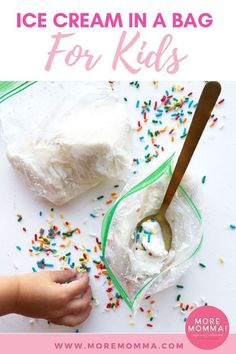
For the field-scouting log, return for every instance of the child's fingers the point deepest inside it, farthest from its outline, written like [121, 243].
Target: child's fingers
[76, 306]
[73, 320]
[76, 287]
[62, 276]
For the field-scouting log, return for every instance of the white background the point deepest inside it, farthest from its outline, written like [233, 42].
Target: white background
[215, 158]
[211, 51]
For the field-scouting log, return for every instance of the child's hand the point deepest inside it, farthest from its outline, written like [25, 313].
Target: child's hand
[49, 295]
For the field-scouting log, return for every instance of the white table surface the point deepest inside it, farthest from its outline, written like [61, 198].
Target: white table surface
[214, 158]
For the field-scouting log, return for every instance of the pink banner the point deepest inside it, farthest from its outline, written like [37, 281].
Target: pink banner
[105, 343]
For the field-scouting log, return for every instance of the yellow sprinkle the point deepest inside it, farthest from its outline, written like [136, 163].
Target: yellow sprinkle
[221, 260]
[61, 216]
[68, 243]
[155, 84]
[132, 322]
[52, 215]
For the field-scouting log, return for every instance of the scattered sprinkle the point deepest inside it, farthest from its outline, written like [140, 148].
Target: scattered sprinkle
[19, 217]
[202, 265]
[222, 260]
[178, 297]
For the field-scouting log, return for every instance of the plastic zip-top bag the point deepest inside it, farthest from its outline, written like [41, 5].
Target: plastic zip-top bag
[134, 270]
[65, 138]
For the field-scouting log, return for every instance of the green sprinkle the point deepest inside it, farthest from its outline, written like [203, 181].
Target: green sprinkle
[101, 197]
[232, 226]
[178, 297]
[68, 234]
[18, 248]
[125, 99]
[183, 136]
[179, 286]
[116, 185]
[202, 265]
[203, 179]
[34, 270]
[19, 217]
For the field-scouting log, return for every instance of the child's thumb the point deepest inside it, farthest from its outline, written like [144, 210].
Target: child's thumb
[63, 276]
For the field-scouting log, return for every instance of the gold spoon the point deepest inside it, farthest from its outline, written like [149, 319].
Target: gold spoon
[207, 101]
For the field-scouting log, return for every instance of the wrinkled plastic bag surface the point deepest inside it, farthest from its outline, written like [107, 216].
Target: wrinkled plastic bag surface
[65, 145]
[133, 278]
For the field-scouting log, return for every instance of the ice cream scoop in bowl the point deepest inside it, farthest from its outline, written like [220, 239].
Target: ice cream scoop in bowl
[207, 101]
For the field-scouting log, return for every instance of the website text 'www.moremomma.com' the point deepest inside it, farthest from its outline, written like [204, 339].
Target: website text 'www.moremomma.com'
[118, 346]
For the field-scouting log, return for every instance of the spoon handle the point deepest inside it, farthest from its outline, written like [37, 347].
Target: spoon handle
[206, 103]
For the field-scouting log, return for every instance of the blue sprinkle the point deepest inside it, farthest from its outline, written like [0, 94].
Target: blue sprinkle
[19, 248]
[158, 114]
[190, 104]
[40, 213]
[141, 137]
[35, 248]
[146, 147]
[34, 270]
[137, 104]
[93, 215]
[49, 265]
[232, 226]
